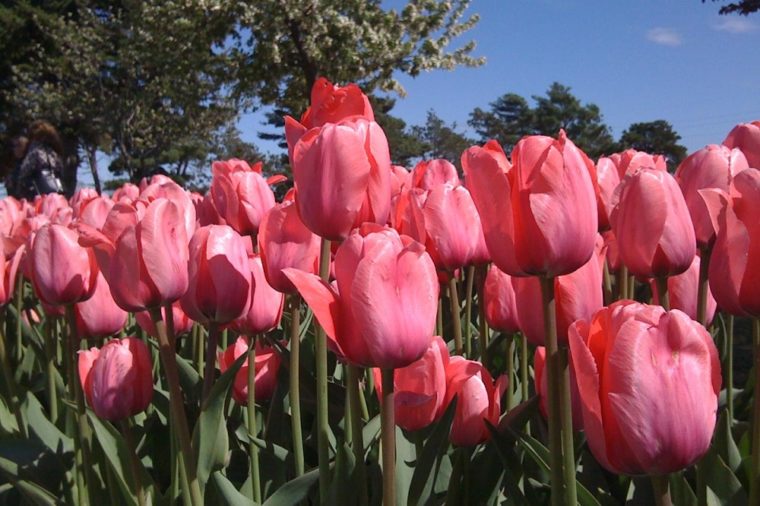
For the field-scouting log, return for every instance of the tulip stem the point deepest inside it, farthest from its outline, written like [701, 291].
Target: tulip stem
[661, 487]
[483, 330]
[730, 367]
[622, 282]
[703, 290]
[510, 371]
[253, 450]
[134, 461]
[554, 388]
[75, 391]
[455, 317]
[321, 357]
[524, 368]
[607, 279]
[388, 437]
[19, 308]
[662, 291]
[208, 371]
[468, 311]
[52, 389]
[439, 315]
[295, 386]
[566, 416]
[357, 439]
[169, 360]
[10, 382]
[754, 484]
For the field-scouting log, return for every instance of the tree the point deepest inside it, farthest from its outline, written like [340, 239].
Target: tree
[743, 7]
[290, 43]
[404, 144]
[510, 117]
[442, 140]
[656, 137]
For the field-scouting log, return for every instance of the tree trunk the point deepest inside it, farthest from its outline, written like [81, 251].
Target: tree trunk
[93, 161]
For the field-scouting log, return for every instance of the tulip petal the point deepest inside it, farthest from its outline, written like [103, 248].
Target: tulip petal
[320, 297]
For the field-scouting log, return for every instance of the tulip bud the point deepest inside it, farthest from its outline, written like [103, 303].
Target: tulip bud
[267, 364]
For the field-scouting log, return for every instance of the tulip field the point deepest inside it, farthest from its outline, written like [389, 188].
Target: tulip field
[537, 328]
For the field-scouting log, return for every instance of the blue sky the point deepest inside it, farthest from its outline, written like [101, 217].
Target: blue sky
[637, 60]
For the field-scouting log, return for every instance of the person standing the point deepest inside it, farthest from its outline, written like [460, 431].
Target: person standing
[41, 169]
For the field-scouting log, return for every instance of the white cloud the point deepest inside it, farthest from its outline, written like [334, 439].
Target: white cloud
[735, 25]
[664, 36]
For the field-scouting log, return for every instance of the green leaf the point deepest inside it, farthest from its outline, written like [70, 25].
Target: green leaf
[22, 461]
[39, 424]
[342, 489]
[724, 444]
[188, 377]
[405, 462]
[210, 435]
[680, 490]
[116, 452]
[294, 491]
[722, 481]
[421, 486]
[227, 490]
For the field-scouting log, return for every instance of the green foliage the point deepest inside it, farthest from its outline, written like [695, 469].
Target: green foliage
[743, 7]
[441, 140]
[511, 117]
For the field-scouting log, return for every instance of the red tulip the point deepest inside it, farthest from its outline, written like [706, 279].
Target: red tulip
[428, 174]
[378, 274]
[478, 400]
[331, 104]
[265, 310]
[682, 292]
[499, 301]
[542, 389]
[540, 218]
[182, 324]
[63, 272]
[746, 136]
[220, 276]
[117, 379]
[711, 167]
[267, 364]
[652, 225]
[419, 388]
[648, 382]
[342, 177]
[734, 272]
[99, 316]
[148, 267]
[284, 241]
[578, 295]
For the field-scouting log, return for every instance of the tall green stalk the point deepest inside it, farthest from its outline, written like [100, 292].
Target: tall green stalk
[388, 438]
[754, 482]
[357, 440]
[322, 406]
[295, 385]
[134, 461]
[661, 488]
[455, 318]
[468, 311]
[524, 368]
[208, 372]
[662, 292]
[703, 288]
[168, 355]
[510, 399]
[730, 367]
[253, 449]
[10, 381]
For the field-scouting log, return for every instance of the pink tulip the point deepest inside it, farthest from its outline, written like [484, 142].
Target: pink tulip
[80, 199]
[611, 250]
[8, 271]
[711, 167]
[99, 316]
[267, 365]
[746, 136]
[342, 177]
[242, 197]
[540, 218]
[55, 207]
[148, 267]
[11, 216]
[220, 276]
[648, 382]
[652, 225]
[478, 400]
[378, 274]
[577, 296]
[428, 174]
[331, 104]
[95, 211]
[163, 187]
[499, 301]
[265, 310]
[453, 227]
[284, 241]
[734, 274]
[400, 179]
[419, 388]
[682, 292]
[126, 193]
[631, 160]
[117, 379]
[182, 324]
[63, 272]
[608, 179]
[542, 389]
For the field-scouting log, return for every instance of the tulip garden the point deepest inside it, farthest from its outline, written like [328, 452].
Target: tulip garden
[538, 329]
